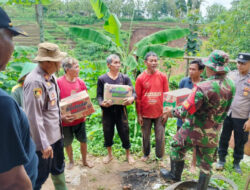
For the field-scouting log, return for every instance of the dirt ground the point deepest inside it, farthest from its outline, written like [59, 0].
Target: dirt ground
[101, 176]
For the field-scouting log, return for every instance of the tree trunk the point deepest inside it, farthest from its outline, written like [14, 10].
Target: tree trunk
[39, 19]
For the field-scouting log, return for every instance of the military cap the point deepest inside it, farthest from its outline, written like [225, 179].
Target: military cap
[243, 57]
[217, 60]
[5, 22]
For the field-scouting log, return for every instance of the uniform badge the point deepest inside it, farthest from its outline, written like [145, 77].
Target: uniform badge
[53, 95]
[37, 92]
[186, 105]
[53, 102]
[49, 84]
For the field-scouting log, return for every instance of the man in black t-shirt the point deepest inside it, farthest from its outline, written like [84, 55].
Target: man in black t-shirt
[18, 160]
[114, 115]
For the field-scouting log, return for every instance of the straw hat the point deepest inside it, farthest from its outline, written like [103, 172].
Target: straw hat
[49, 52]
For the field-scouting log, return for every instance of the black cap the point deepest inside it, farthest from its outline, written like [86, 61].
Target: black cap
[243, 57]
[5, 22]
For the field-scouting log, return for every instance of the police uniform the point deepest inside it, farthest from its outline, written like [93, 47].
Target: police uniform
[204, 110]
[237, 116]
[41, 103]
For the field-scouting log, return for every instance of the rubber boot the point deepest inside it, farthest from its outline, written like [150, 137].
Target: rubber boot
[175, 174]
[59, 182]
[203, 181]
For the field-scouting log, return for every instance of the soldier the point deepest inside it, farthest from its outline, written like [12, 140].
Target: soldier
[204, 110]
[238, 117]
[41, 103]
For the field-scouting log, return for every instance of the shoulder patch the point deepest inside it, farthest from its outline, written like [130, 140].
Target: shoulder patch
[37, 92]
[189, 103]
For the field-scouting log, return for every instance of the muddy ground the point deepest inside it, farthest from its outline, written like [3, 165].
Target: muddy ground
[112, 176]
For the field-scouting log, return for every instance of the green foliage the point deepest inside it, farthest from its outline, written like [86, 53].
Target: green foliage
[27, 2]
[91, 35]
[160, 50]
[230, 30]
[214, 11]
[112, 24]
[8, 78]
[81, 20]
[163, 36]
[193, 42]
[155, 41]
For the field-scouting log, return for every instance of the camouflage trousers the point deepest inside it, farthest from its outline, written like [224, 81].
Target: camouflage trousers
[204, 156]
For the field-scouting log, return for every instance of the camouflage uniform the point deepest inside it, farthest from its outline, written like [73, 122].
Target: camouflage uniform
[204, 110]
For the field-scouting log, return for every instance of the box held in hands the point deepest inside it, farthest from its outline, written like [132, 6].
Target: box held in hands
[175, 98]
[117, 93]
[78, 104]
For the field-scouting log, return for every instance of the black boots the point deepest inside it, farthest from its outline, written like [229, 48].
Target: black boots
[237, 167]
[203, 181]
[175, 174]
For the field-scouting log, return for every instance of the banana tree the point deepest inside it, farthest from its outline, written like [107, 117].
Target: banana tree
[156, 42]
[39, 11]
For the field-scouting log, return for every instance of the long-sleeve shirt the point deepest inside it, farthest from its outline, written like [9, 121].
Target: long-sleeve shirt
[41, 104]
[149, 94]
[205, 109]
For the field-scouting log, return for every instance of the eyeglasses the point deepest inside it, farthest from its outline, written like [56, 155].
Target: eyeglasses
[241, 63]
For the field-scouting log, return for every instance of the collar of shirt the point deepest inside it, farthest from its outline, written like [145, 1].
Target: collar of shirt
[46, 76]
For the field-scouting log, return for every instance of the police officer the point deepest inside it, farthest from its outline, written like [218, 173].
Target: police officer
[204, 110]
[41, 102]
[238, 117]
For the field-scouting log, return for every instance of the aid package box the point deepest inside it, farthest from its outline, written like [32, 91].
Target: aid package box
[117, 93]
[175, 98]
[78, 104]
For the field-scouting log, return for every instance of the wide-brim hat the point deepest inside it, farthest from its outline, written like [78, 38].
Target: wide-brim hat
[27, 68]
[49, 52]
[5, 22]
[217, 60]
[243, 57]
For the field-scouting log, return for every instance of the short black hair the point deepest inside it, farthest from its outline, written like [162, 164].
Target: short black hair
[199, 62]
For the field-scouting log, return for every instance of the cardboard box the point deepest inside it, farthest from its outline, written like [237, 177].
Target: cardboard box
[78, 104]
[117, 93]
[175, 98]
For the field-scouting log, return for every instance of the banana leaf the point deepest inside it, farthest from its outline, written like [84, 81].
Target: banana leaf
[91, 35]
[131, 62]
[161, 51]
[163, 36]
[112, 23]
[100, 8]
